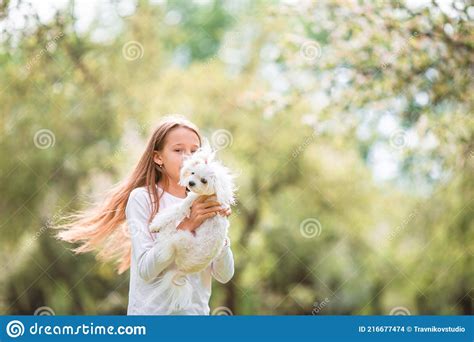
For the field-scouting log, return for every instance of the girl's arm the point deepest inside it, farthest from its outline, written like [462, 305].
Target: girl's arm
[172, 215]
[152, 256]
[222, 267]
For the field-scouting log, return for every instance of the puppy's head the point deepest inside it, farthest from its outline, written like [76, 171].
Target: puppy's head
[196, 173]
[203, 175]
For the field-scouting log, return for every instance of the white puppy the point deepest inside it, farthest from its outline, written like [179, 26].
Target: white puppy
[202, 175]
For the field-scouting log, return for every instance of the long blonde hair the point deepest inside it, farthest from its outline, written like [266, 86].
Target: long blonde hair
[103, 227]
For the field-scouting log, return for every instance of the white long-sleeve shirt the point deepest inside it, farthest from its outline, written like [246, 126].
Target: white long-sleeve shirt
[148, 263]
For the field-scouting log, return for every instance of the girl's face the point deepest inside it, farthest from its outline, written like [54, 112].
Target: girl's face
[178, 142]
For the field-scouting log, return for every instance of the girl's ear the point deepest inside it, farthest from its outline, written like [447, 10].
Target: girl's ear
[157, 157]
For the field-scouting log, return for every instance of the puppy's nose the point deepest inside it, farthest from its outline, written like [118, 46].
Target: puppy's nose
[204, 180]
[191, 183]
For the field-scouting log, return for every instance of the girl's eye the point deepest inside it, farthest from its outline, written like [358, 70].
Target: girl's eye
[181, 150]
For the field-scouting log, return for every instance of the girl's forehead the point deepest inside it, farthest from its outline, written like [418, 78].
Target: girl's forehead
[182, 136]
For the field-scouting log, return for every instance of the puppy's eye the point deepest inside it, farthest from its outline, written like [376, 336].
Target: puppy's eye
[192, 173]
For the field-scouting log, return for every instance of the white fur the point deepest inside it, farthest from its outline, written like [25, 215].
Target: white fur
[194, 253]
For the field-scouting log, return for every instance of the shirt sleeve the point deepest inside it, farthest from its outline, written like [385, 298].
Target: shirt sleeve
[222, 267]
[152, 256]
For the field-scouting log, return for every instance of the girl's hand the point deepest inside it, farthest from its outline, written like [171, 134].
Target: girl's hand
[203, 207]
[225, 212]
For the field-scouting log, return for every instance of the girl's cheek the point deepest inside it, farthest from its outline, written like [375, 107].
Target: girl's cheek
[177, 163]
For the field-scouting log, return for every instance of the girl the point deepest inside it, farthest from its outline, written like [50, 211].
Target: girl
[118, 229]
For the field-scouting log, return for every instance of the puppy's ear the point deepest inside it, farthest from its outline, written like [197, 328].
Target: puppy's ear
[205, 145]
[209, 157]
[224, 186]
[207, 151]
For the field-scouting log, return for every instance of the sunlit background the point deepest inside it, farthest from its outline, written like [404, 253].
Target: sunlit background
[350, 124]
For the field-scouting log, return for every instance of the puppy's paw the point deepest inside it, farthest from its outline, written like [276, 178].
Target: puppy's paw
[169, 251]
[162, 222]
[183, 239]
